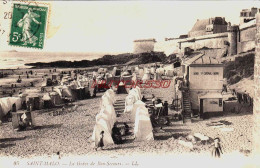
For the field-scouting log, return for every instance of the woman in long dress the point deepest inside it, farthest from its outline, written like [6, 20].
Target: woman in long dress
[217, 150]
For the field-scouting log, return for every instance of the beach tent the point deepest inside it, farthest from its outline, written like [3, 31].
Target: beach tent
[126, 73]
[80, 93]
[55, 98]
[106, 104]
[141, 73]
[109, 81]
[5, 106]
[110, 111]
[95, 74]
[116, 80]
[107, 118]
[134, 93]
[127, 80]
[134, 78]
[111, 93]
[73, 91]
[58, 90]
[129, 102]
[116, 71]
[34, 100]
[169, 70]
[138, 89]
[101, 125]
[108, 75]
[102, 70]
[147, 76]
[121, 88]
[157, 76]
[152, 70]
[106, 99]
[136, 105]
[160, 71]
[146, 70]
[47, 103]
[86, 92]
[137, 69]
[143, 129]
[137, 93]
[23, 99]
[17, 101]
[66, 92]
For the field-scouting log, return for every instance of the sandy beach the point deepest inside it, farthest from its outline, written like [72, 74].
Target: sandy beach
[69, 132]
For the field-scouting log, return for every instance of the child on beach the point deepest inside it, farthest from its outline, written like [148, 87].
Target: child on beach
[101, 141]
[217, 148]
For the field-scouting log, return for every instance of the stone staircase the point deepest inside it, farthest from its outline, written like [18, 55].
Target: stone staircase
[186, 105]
[119, 107]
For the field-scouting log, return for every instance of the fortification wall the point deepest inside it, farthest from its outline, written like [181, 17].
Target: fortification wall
[168, 47]
[246, 41]
[197, 33]
[215, 41]
[209, 41]
[239, 41]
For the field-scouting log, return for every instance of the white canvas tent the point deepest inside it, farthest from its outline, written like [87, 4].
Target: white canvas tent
[157, 76]
[137, 69]
[107, 106]
[134, 78]
[106, 100]
[107, 118]
[129, 102]
[138, 89]
[137, 104]
[147, 76]
[55, 98]
[101, 125]
[152, 70]
[141, 73]
[169, 70]
[160, 71]
[110, 93]
[6, 104]
[143, 129]
[134, 93]
[137, 93]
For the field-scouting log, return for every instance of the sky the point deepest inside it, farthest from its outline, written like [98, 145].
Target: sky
[97, 26]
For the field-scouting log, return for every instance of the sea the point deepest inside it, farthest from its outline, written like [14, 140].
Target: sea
[17, 60]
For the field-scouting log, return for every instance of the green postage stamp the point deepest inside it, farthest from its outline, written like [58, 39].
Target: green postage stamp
[28, 25]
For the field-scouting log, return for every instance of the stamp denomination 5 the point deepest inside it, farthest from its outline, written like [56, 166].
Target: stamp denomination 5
[28, 25]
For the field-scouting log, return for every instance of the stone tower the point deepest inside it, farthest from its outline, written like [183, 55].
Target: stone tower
[232, 38]
[144, 45]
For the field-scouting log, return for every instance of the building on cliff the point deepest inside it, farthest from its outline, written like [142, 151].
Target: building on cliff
[214, 34]
[246, 15]
[144, 45]
[208, 26]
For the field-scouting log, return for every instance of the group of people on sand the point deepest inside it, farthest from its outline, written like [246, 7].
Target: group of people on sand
[117, 134]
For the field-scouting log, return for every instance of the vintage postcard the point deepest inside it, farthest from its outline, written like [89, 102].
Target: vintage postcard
[129, 83]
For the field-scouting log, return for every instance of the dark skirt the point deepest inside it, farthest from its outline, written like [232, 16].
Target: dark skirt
[216, 152]
[100, 143]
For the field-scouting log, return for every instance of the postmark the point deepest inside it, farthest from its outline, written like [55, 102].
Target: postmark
[28, 27]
